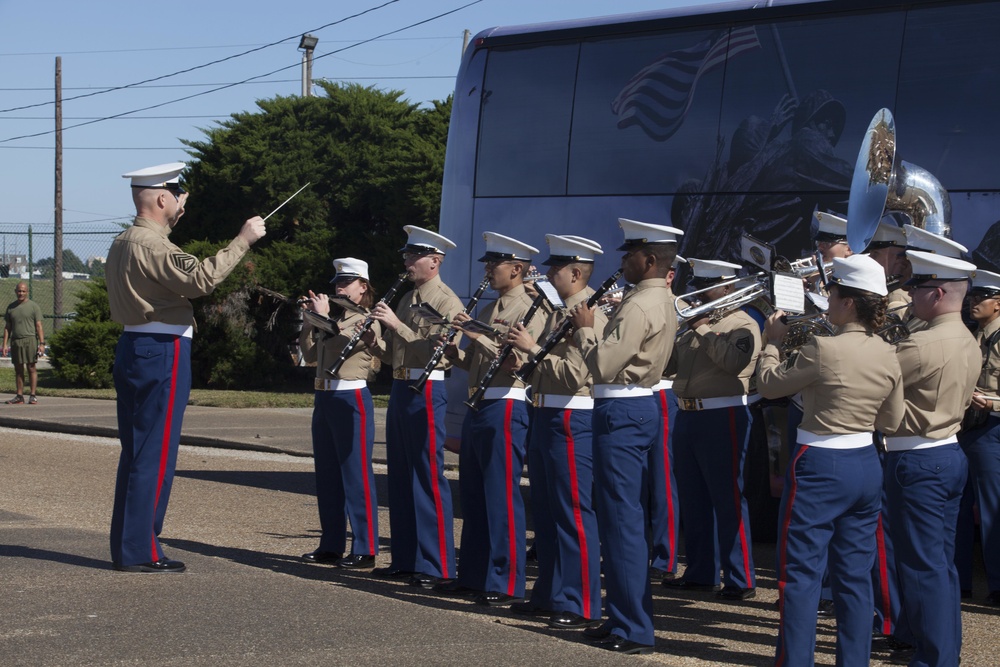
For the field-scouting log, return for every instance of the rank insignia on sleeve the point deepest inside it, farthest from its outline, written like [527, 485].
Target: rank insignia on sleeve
[743, 344]
[184, 262]
[616, 332]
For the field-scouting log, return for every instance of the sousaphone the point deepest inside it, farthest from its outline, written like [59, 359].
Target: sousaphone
[883, 183]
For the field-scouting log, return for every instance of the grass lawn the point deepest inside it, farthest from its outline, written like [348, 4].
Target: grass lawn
[49, 385]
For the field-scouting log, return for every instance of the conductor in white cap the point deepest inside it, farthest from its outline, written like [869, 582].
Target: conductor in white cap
[150, 286]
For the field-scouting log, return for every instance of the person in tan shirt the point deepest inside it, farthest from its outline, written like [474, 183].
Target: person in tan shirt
[343, 421]
[851, 384]
[150, 284]
[715, 364]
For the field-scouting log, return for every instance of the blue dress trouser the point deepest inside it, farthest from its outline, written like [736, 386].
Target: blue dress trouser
[561, 471]
[885, 581]
[710, 450]
[493, 526]
[152, 375]
[828, 519]
[982, 448]
[924, 489]
[420, 510]
[624, 431]
[343, 432]
[664, 513]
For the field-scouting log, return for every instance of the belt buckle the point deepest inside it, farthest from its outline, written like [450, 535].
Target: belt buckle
[691, 403]
[318, 384]
[536, 400]
[399, 374]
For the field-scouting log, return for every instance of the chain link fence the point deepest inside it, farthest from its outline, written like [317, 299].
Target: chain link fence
[28, 255]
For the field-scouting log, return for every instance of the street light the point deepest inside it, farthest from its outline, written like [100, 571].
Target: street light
[307, 45]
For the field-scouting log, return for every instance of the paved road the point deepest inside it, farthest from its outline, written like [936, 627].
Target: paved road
[240, 519]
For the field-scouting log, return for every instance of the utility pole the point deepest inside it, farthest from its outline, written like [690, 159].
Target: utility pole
[465, 40]
[58, 256]
[307, 45]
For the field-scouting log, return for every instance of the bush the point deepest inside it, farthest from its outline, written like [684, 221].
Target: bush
[84, 353]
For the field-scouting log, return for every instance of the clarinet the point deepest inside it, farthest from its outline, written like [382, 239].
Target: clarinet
[438, 352]
[502, 356]
[351, 344]
[556, 335]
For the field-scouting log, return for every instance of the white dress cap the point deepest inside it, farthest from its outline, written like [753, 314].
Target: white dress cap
[504, 248]
[710, 269]
[349, 267]
[931, 266]
[923, 240]
[569, 249]
[830, 227]
[678, 260]
[159, 176]
[887, 234]
[859, 272]
[641, 233]
[422, 241]
[986, 282]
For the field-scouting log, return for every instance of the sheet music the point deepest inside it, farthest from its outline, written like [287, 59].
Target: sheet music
[427, 312]
[789, 295]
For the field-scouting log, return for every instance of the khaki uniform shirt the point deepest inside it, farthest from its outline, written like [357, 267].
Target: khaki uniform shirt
[152, 280]
[940, 365]
[989, 374]
[718, 359]
[898, 298]
[850, 383]
[321, 348]
[563, 371]
[637, 341]
[502, 314]
[413, 342]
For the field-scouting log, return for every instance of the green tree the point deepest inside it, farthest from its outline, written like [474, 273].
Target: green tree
[83, 352]
[71, 263]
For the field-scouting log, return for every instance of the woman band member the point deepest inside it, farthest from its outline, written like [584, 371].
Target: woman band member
[343, 423]
[851, 384]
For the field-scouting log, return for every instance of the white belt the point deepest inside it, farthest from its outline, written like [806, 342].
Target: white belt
[562, 402]
[905, 443]
[498, 393]
[753, 398]
[183, 330]
[836, 441]
[338, 385]
[415, 374]
[663, 384]
[620, 391]
[695, 404]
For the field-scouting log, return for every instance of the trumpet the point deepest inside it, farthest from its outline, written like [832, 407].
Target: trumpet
[438, 352]
[369, 321]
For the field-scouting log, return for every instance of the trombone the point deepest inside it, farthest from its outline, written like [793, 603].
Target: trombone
[719, 308]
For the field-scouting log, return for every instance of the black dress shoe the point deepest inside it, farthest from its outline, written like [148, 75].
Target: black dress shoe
[452, 587]
[567, 620]
[659, 575]
[528, 609]
[493, 599]
[736, 593]
[162, 565]
[322, 556]
[357, 562]
[901, 656]
[685, 585]
[826, 609]
[597, 632]
[427, 581]
[391, 572]
[897, 645]
[625, 646]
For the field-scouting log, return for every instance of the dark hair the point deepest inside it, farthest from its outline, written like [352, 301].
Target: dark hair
[870, 307]
[368, 298]
[665, 253]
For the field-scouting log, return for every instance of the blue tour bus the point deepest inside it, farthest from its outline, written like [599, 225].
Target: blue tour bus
[737, 117]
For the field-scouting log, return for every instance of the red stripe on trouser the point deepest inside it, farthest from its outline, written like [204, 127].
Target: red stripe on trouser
[581, 534]
[883, 575]
[671, 537]
[783, 549]
[509, 470]
[432, 458]
[165, 445]
[738, 497]
[363, 443]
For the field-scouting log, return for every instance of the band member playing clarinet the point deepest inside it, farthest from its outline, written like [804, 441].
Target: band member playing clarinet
[851, 384]
[626, 359]
[560, 454]
[420, 512]
[343, 424]
[493, 439]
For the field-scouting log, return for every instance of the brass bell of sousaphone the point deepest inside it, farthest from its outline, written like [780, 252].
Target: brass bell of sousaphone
[883, 183]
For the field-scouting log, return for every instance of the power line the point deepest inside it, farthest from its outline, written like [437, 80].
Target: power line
[260, 76]
[96, 148]
[208, 64]
[196, 85]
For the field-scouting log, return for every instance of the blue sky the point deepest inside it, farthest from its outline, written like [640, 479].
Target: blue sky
[112, 43]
